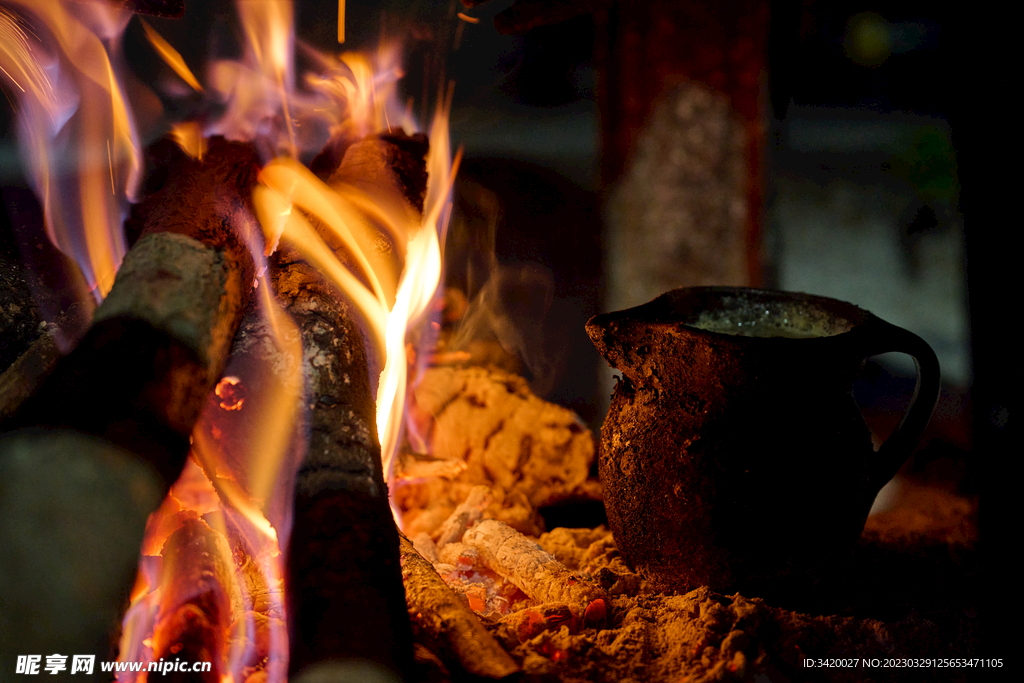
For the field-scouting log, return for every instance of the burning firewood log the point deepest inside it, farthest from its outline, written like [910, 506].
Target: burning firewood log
[444, 621]
[343, 559]
[200, 594]
[485, 427]
[159, 341]
[536, 572]
[138, 378]
[345, 581]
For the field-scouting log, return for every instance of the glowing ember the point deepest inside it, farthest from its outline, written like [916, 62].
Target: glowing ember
[230, 391]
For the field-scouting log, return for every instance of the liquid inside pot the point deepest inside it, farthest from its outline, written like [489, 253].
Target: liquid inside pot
[763, 321]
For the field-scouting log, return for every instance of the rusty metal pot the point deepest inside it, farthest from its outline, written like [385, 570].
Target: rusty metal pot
[733, 455]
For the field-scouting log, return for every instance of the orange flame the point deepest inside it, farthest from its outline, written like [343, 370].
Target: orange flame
[361, 92]
[171, 56]
[259, 89]
[189, 136]
[76, 130]
[417, 288]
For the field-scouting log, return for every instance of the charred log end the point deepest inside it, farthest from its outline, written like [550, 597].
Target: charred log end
[346, 586]
[72, 513]
[393, 162]
[405, 156]
[208, 199]
[391, 159]
[164, 160]
[329, 158]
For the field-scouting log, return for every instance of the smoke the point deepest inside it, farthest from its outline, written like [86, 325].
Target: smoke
[511, 309]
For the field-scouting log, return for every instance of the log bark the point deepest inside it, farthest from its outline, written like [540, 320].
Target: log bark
[442, 620]
[343, 559]
[345, 583]
[30, 369]
[159, 341]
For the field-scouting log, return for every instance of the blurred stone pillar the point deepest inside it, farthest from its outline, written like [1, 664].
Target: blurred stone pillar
[682, 96]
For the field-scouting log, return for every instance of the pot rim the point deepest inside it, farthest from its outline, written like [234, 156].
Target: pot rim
[682, 307]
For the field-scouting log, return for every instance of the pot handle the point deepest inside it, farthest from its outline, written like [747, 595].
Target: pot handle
[885, 337]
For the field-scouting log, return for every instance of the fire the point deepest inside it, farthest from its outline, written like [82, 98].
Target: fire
[290, 191]
[416, 290]
[210, 584]
[76, 128]
[393, 304]
[227, 517]
[362, 92]
[189, 136]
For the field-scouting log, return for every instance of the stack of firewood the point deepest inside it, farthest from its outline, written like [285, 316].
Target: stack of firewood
[133, 388]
